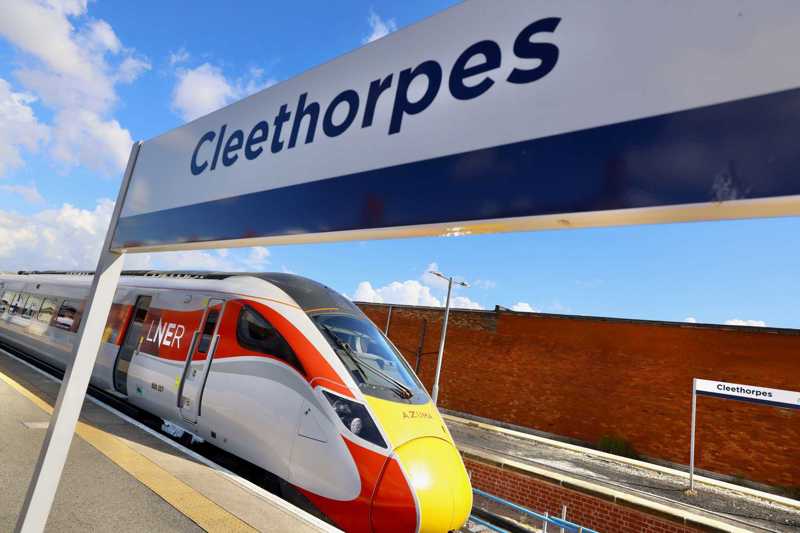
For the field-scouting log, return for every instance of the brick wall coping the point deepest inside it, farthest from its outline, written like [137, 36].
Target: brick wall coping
[617, 497]
[667, 323]
[746, 491]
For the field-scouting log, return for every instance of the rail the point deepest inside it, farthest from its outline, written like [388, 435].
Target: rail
[546, 520]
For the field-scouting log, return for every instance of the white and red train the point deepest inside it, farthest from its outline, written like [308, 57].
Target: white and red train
[274, 368]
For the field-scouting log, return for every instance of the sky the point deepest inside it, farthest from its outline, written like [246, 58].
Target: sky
[80, 81]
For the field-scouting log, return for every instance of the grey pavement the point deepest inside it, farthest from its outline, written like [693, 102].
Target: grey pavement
[94, 495]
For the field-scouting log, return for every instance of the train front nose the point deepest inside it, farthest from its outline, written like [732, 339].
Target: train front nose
[433, 470]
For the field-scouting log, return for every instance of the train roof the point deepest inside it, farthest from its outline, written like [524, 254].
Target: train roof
[310, 295]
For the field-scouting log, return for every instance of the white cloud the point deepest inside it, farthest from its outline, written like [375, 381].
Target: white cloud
[463, 302]
[178, 57]
[69, 238]
[74, 71]
[219, 260]
[414, 292]
[193, 260]
[65, 238]
[204, 89]
[98, 35]
[258, 257]
[524, 307]
[19, 127]
[200, 91]
[485, 284]
[740, 322]
[29, 193]
[131, 68]
[410, 292]
[83, 138]
[690, 319]
[378, 27]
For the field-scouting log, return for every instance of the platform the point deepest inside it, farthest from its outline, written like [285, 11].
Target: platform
[651, 488]
[121, 476]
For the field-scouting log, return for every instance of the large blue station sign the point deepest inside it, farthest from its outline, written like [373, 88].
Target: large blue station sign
[519, 115]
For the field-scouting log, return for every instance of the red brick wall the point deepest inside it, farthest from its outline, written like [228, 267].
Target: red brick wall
[585, 510]
[586, 378]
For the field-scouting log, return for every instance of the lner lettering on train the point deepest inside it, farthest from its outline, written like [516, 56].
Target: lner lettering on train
[166, 333]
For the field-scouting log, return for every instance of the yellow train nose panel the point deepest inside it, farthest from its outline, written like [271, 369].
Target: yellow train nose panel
[439, 481]
[404, 422]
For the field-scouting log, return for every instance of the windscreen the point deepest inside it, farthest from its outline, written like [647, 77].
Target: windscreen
[373, 361]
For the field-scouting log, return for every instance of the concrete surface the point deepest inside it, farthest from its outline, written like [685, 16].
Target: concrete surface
[121, 478]
[94, 495]
[762, 512]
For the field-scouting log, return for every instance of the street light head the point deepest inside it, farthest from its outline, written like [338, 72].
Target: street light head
[435, 273]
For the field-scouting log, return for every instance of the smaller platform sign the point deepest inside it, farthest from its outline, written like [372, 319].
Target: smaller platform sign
[748, 393]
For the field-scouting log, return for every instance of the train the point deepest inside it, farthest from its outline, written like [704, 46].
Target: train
[274, 368]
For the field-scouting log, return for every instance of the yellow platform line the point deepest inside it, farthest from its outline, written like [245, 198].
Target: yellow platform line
[186, 500]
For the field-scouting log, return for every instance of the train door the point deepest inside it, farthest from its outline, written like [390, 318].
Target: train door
[134, 335]
[198, 363]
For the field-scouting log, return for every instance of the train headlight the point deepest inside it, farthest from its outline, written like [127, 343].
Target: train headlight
[355, 418]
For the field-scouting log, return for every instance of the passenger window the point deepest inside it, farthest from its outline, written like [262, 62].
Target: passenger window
[32, 306]
[69, 315]
[6, 299]
[47, 311]
[208, 330]
[255, 333]
[19, 304]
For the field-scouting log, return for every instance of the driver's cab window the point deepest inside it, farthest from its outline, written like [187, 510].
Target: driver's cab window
[256, 333]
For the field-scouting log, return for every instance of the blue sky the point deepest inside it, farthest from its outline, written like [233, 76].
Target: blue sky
[79, 82]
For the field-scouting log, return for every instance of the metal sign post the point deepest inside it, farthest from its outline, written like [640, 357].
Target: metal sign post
[53, 455]
[435, 390]
[440, 356]
[742, 393]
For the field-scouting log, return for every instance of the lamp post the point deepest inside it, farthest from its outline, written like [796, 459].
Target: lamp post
[450, 281]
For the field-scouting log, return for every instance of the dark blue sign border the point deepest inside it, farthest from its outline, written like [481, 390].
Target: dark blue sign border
[771, 403]
[745, 149]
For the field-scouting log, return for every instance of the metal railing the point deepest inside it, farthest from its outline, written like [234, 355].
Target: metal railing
[561, 524]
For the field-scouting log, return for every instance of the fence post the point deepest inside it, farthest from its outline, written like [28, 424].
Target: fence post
[421, 346]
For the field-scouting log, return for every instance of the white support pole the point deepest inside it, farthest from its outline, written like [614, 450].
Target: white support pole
[435, 391]
[53, 455]
[691, 444]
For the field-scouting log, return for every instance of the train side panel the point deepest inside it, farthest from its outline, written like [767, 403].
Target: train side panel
[158, 363]
[53, 341]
